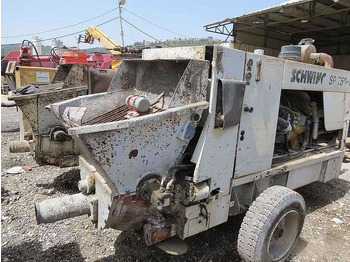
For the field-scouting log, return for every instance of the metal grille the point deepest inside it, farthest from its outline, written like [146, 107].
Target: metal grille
[114, 115]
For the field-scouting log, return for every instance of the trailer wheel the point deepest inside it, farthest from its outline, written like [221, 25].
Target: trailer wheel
[272, 225]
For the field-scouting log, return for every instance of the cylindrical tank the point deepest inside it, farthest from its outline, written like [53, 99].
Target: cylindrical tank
[59, 44]
[291, 52]
[38, 45]
[55, 209]
[20, 146]
[138, 103]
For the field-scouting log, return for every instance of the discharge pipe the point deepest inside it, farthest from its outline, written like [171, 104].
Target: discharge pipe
[55, 209]
[21, 146]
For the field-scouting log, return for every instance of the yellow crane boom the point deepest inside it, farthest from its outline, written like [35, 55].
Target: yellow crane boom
[93, 32]
[119, 53]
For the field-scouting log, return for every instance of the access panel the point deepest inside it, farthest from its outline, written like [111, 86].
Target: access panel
[257, 130]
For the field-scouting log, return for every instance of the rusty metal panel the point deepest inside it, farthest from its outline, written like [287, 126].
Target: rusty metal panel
[42, 121]
[192, 86]
[71, 75]
[50, 151]
[304, 175]
[46, 119]
[126, 150]
[127, 153]
[128, 211]
[77, 76]
[100, 79]
[33, 106]
[29, 110]
[140, 74]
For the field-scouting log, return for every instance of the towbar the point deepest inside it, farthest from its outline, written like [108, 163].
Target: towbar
[52, 210]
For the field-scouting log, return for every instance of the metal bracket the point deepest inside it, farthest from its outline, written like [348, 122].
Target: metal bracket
[258, 71]
[11, 68]
[229, 102]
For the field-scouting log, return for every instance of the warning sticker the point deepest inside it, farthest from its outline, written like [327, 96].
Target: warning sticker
[42, 77]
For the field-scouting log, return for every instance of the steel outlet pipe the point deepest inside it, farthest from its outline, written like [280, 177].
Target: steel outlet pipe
[20, 146]
[52, 210]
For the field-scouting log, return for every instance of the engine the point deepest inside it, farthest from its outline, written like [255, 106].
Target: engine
[300, 124]
[293, 125]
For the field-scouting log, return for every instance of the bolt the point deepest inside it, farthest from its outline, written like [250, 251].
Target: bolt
[248, 109]
[250, 62]
[248, 76]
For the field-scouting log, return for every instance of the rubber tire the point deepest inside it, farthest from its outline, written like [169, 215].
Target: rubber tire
[261, 218]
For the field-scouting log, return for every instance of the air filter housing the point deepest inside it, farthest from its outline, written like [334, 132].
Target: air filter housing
[291, 52]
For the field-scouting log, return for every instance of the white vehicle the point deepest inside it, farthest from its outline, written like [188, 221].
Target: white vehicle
[186, 137]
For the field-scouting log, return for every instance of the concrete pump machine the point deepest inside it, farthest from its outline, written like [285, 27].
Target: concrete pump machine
[186, 137]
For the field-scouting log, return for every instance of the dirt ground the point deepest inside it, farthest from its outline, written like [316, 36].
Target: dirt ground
[325, 237]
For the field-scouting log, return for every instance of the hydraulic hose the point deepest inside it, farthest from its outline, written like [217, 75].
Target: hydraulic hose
[36, 51]
[291, 156]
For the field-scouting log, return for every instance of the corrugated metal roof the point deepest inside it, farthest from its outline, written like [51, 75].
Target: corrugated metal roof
[269, 9]
[325, 21]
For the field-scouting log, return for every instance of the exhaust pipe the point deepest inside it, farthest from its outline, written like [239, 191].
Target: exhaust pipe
[21, 146]
[323, 58]
[52, 210]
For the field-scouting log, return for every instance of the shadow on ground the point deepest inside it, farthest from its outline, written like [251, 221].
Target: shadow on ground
[8, 130]
[219, 243]
[216, 244]
[66, 183]
[32, 251]
[300, 246]
[319, 194]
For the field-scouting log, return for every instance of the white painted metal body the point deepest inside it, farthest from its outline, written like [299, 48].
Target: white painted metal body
[235, 162]
[42, 121]
[229, 158]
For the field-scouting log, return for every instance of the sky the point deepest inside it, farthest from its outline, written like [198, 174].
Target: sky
[185, 17]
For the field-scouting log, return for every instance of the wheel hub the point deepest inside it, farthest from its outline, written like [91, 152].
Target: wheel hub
[283, 235]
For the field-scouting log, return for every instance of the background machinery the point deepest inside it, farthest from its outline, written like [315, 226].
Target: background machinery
[118, 53]
[36, 81]
[40, 130]
[29, 56]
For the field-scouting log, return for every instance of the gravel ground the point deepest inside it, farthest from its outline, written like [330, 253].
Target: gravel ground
[75, 239]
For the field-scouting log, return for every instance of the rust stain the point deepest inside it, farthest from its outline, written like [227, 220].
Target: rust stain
[133, 153]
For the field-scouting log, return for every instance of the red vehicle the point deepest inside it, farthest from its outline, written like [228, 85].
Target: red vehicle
[25, 57]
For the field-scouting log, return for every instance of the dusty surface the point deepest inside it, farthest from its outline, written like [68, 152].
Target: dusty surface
[76, 240]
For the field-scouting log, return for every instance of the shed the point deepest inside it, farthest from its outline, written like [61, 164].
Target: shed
[325, 21]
